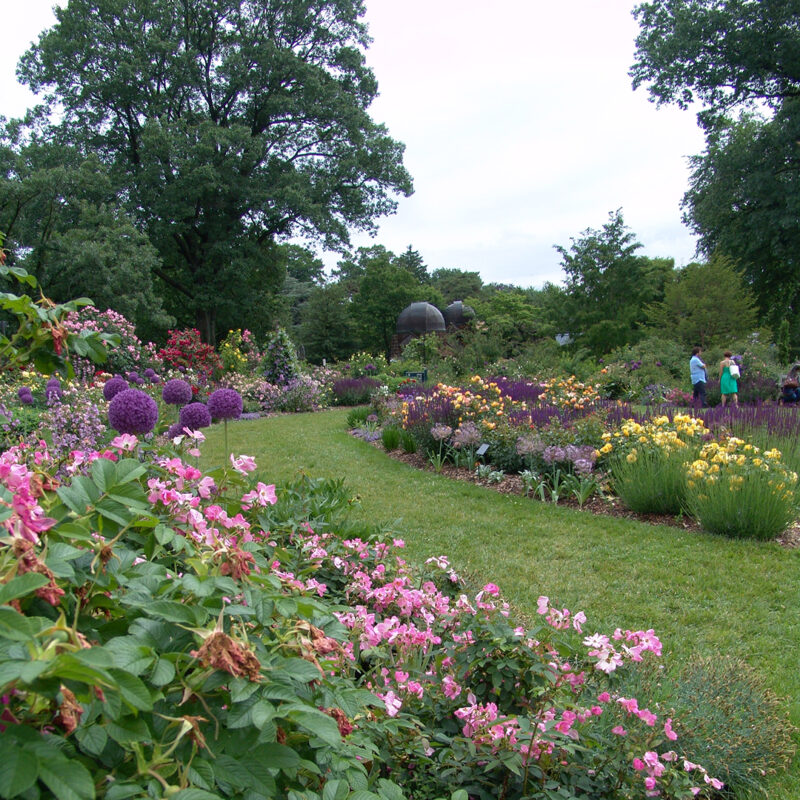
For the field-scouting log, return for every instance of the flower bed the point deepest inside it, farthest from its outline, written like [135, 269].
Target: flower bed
[256, 653]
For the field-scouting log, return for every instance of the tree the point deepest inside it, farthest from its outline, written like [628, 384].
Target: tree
[66, 229]
[744, 201]
[456, 284]
[385, 290]
[508, 315]
[411, 261]
[225, 127]
[706, 304]
[731, 57]
[608, 285]
[327, 330]
[722, 54]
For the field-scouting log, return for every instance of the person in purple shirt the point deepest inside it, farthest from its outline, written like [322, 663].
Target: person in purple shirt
[697, 373]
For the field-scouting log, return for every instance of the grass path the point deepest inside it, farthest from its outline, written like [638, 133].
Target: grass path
[700, 593]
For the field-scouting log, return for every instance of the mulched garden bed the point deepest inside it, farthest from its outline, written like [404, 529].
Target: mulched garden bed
[512, 484]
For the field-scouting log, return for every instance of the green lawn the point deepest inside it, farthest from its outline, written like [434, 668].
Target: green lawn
[699, 592]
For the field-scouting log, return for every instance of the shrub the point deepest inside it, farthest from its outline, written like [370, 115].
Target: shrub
[738, 490]
[129, 354]
[73, 423]
[279, 363]
[390, 437]
[725, 718]
[239, 352]
[647, 462]
[186, 351]
[354, 391]
[650, 481]
[164, 658]
[357, 417]
[408, 442]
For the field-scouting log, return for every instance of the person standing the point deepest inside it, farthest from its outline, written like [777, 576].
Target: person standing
[728, 386]
[697, 374]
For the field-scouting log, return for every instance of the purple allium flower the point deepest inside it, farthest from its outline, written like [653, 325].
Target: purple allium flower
[155, 379]
[149, 372]
[176, 429]
[176, 392]
[53, 389]
[466, 435]
[25, 396]
[553, 454]
[22, 391]
[113, 386]
[225, 404]
[195, 416]
[133, 377]
[132, 411]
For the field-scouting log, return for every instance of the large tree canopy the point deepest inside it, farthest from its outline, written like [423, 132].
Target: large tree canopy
[740, 61]
[225, 125]
[718, 53]
[744, 201]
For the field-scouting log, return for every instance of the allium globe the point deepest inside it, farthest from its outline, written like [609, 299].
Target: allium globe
[113, 386]
[25, 396]
[176, 392]
[225, 404]
[53, 389]
[174, 430]
[195, 416]
[132, 411]
[132, 376]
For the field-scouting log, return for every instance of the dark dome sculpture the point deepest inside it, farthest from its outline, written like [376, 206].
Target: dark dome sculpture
[420, 318]
[457, 314]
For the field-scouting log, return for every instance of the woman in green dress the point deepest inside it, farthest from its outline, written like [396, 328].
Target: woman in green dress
[728, 386]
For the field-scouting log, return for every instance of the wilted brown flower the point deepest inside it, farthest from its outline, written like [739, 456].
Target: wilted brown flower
[221, 652]
[28, 561]
[69, 712]
[345, 726]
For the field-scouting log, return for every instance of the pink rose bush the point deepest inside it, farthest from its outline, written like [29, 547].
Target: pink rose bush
[167, 630]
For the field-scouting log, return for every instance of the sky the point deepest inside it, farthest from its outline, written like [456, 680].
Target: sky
[520, 126]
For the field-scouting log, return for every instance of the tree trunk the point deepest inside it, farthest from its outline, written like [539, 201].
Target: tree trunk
[207, 325]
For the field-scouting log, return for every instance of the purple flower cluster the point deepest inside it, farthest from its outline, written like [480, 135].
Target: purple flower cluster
[194, 416]
[132, 411]
[53, 390]
[354, 391]
[177, 392]
[466, 435]
[519, 391]
[74, 423]
[582, 458]
[113, 386]
[225, 404]
[25, 396]
[441, 432]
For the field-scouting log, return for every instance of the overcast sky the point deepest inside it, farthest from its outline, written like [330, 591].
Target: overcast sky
[520, 125]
